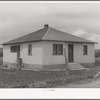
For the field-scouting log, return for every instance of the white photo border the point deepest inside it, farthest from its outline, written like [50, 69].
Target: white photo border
[50, 93]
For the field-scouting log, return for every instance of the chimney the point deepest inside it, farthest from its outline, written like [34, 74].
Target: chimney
[46, 25]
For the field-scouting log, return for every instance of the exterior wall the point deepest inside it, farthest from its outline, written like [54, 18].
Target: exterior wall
[8, 56]
[50, 59]
[78, 54]
[35, 59]
[42, 55]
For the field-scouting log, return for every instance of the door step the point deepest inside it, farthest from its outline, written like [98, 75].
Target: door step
[76, 66]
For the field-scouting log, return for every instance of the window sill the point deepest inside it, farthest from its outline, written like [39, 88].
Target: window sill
[85, 55]
[57, 55]
[29, 55]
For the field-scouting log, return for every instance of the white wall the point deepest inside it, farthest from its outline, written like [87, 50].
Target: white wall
[36, 57]
[49, 58]
[42, 53]
[78, 53]
[8, 56]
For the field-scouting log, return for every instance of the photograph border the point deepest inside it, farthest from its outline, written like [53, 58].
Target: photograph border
[50, 93]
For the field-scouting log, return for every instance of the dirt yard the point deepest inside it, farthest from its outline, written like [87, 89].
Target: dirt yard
[22, 78]
[83, 84]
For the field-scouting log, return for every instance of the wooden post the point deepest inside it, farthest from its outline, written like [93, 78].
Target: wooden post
[66, 63]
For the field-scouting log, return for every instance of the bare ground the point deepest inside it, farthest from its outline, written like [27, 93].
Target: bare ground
[83, 84]
[23, 78]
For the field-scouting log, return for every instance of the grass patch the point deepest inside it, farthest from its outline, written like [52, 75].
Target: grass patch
[22, 78]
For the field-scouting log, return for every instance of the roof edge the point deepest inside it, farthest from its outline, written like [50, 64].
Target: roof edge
[20, 42]
[50, 40]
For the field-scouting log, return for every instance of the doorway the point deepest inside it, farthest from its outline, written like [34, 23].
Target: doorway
[70, 53]
[18, 51]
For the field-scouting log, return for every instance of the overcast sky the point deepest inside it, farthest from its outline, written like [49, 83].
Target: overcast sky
[81, 19]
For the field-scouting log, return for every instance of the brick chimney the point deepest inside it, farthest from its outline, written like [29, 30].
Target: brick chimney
[46, 25]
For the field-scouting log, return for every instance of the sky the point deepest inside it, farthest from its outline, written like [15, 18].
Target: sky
[80, 19]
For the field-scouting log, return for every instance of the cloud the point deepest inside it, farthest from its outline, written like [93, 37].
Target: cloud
[88, 35]
[81, 33]
[18, 19]
[85, 34]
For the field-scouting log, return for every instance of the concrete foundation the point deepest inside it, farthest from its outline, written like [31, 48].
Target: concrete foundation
[56, 67]
[88, 64]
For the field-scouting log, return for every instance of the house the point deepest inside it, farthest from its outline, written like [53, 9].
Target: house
[43, 50]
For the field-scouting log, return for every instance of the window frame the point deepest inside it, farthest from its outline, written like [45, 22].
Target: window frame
[29, 49]
[14, 48]
[85, 50]
[57, 49]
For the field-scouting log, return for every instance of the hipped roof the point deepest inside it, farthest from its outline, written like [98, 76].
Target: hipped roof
[48, 34]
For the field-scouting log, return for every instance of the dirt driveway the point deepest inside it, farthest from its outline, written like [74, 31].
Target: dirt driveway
[91, 84]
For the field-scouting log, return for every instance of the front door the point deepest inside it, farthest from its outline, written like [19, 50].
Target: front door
[70, 53]
[18, 51]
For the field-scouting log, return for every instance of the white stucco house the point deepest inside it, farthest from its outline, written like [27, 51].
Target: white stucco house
[43, 50]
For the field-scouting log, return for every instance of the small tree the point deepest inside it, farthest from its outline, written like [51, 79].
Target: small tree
[97, 56]
[66, 63]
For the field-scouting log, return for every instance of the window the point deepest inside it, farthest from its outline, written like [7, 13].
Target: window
[15, 48]
[60, 49]
[30, 49]
[54, 49]
[57, 49]
[85, 50]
